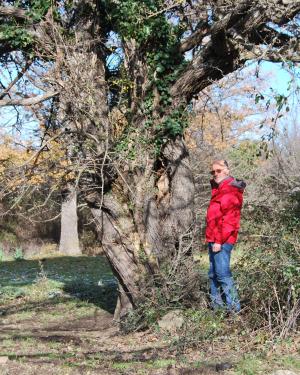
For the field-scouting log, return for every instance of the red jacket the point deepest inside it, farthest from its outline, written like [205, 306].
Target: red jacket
[224, 211]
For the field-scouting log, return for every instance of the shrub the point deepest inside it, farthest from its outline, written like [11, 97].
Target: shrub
[178, 284]
[269, 279]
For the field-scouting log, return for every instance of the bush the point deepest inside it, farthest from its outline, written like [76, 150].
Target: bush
[177, 285]
[269, 279]
[199, 326]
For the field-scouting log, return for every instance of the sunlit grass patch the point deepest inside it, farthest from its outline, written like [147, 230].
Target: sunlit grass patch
[72, 308]
[151, 364]
[19, 316]
[8, 293]
[81, 278]
[44, 288]
[290, 362]
[7, 343]
[199, 326]
[258, 363]
[13, 346]
[250, 365]
[37, 294]
[124, 365]
[161, 363]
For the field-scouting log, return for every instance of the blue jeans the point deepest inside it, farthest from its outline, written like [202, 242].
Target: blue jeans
[222, 288]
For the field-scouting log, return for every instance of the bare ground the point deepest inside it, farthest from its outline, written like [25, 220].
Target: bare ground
[47, 328]
[91, 345]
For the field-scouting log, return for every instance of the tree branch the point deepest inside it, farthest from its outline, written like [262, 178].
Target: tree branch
[235, 38]
[277, 55]
[14, 81]
[285, 11]
[228, 21]
[193, 40]
[28, 101]
[13, 12]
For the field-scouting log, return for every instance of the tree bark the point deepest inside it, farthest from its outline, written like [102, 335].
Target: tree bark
[138, 242]
[69, 241]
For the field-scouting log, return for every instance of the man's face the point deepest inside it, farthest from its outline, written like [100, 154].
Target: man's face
[219, 172]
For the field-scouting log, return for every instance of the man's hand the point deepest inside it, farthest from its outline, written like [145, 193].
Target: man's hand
[216, 247]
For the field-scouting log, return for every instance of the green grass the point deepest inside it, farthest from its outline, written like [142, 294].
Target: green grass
[124, 365]
[88, 279]
[256, 364]
[289, 362]
[161, 363]
[250, 365]
[152, 364]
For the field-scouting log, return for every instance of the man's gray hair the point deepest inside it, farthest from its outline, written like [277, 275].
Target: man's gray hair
[221, 162]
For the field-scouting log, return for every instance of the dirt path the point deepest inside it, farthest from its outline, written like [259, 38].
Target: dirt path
[90, 345]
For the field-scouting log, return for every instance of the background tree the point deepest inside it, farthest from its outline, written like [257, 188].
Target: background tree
[69, 240]
[31, 180]
[137, 179]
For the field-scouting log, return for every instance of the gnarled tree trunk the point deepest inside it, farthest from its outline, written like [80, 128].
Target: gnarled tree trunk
[138, 241]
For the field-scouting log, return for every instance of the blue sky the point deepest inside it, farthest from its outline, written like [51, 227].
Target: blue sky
[281, 76]
[284, 80]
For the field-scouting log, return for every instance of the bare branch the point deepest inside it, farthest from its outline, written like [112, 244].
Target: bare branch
[28, 101]
[193, 40]
[14, 81]
[225, 23]
[278, 55]
[13, 12]
[285, 11]
[237, 37]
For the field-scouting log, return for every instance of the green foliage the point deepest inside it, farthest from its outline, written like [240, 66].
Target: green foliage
[126, 146]
[159, 40]
[17, 36]
[204, 323]
[246, 152]
[250, 365]
[258, 97]
[16, 33]
[11, 292]
[200, 325]
[269, 276]
[38, 9]
[133, 19]
[247, 156]
[175, 123]
[280, 100]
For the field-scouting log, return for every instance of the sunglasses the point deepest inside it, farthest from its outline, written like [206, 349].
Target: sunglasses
[214, 171]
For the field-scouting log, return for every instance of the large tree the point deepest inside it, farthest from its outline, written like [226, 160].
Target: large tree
[117, 81]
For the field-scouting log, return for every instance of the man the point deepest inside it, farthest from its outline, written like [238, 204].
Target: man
[222, 225]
